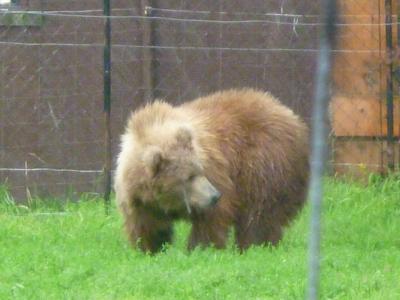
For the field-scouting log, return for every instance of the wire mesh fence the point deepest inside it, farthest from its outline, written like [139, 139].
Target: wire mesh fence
[51, 85]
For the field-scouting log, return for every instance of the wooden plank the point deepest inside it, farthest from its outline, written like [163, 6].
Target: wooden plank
[362, 117]
[356, 116]
[358, 107]
[357, 72]
[358, 158]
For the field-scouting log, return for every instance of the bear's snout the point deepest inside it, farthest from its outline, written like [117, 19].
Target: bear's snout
[215, 198]
[215, 195]
[203, 193]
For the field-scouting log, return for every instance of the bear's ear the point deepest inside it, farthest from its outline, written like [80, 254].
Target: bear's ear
[184, 136]
[153, 160]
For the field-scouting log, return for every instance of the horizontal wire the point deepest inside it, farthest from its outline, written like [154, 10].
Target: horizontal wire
[228, 13]
[86, 10]
[357, 165]
[101, 171]
[86, 182]
[191, 47]
[294, 23]
[168, 10]
[50, 170]
[47, 214]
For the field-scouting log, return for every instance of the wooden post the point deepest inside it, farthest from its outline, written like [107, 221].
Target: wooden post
[365, 107]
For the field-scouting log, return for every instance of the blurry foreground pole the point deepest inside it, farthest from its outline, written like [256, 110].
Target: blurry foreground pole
[107, 103]
[319, 141]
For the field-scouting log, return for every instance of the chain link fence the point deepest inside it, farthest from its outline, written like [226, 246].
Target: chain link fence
[51, 86]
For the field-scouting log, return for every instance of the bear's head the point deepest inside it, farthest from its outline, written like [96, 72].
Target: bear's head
[172, 177]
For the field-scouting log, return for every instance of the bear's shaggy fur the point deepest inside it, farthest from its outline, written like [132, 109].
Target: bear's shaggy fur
[176, 162]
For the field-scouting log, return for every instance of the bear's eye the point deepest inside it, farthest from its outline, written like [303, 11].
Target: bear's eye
[137, 201]
[192, 177]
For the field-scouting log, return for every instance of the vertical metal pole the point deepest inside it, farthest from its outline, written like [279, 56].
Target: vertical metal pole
[107, 103]
[396, 73]
[220, 39]
[389, 84]
[319, 141]
[147, 64]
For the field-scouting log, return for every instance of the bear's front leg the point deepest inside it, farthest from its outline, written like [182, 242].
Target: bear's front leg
[146, 231]
[208, 230]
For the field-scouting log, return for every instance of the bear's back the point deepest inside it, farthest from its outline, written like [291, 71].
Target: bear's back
[248, 114]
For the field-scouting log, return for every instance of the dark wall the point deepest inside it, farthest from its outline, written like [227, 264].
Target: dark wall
[51, 83]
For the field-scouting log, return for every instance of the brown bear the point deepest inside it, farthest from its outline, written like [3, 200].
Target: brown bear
[236, 157]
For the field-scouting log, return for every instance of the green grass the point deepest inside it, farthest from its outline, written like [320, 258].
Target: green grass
[82, 254]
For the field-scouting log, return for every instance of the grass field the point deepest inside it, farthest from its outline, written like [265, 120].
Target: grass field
[80, 253]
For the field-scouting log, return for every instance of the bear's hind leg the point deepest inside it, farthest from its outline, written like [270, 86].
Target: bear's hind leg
[249, 231]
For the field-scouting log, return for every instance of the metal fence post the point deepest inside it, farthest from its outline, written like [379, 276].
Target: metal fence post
[107, 103]
[389, 83]
[319, 141]
[147, 52]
